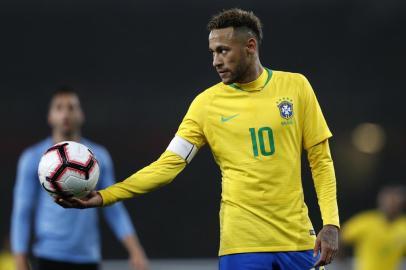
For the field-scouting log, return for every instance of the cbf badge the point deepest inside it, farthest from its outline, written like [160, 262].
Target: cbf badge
[285, 106]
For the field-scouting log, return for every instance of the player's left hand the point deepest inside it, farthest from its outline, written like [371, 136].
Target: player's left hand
[138, 261]
[327, 244]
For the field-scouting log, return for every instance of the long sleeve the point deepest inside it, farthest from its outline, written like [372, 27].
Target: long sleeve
[157, 174]
[315, 128]
[324, 179]
[116, 215]
[168, 166]
[25, 195]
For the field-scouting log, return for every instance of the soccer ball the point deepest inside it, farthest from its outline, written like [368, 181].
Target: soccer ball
[68, 169]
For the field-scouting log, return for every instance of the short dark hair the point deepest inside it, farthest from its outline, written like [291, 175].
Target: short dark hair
[398, 189]
[64, 90]
[61, 91]
[237, 18]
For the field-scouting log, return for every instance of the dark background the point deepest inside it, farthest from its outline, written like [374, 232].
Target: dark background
[138, 64]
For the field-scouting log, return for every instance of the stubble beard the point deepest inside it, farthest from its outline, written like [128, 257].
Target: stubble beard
[241, 72]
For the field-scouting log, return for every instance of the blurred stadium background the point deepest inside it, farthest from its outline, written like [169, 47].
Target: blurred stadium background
[138, 64]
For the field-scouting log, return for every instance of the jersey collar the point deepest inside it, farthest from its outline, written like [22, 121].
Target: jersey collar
[257, 84]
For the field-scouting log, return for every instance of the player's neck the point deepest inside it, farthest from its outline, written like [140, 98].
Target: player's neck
[252, 73]
[60, 137]
[391, 218]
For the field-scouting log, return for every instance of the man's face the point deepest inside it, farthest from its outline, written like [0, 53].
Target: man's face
[391, 202]
[65, 114]
[230, 54]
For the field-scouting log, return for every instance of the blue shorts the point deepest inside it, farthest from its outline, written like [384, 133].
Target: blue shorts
[292, 260]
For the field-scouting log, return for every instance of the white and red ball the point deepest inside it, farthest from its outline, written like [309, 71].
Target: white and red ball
[68, 169]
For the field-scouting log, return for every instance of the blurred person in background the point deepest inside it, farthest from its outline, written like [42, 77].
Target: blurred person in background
[6, 257]
[65, 238]
[256, 121]
[379, 236]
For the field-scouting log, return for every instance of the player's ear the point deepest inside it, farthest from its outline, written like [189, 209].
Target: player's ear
[81, 117]
[49, 118]
[252, 45]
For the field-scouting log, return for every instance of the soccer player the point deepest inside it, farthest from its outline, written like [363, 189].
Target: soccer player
[379, 236]
[256, 122]
[65, 238]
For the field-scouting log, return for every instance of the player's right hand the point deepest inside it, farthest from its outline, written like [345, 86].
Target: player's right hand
[92, 200]
[21, 262]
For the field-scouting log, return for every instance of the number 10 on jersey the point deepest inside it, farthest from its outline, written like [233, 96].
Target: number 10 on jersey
[263, 135]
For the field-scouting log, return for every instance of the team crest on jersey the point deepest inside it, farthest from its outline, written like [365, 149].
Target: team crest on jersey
[285, 106]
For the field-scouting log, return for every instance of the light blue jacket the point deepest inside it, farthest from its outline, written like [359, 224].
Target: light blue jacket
[69, 235]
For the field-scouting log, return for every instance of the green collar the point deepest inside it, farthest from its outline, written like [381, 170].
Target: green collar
[269, 76]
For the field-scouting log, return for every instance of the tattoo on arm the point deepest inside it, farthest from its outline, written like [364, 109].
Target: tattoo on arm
[330, 236]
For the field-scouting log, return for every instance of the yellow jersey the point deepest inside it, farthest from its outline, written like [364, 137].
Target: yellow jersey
[7, 261]
[379, 244]
[256, 132]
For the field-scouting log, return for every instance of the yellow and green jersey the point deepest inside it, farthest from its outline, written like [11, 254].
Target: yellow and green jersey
[379, 243]
[256, 132]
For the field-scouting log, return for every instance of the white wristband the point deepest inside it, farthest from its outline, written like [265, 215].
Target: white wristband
[183, 148]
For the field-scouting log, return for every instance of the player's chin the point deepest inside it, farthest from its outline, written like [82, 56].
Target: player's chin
[68, 130]
[227, 79]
